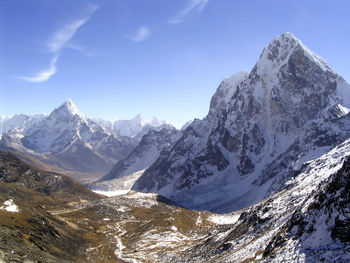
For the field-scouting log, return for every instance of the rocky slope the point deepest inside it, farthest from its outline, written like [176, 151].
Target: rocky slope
[127, 170]
[47, 217]
[307, 221]
[29, 232]
[67, 139]
[260, 129]
[319, 230]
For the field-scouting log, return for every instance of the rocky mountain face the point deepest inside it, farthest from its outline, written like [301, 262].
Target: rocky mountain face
[261, 127]
[307, 221]
[141, 157]
[321, 225]
[71, 141]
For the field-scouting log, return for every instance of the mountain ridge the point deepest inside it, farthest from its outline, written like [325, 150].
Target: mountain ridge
[288, 110]
[70, 141]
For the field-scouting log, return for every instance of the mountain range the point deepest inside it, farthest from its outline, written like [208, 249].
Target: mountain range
[67, 141]
[264, 177]
[136, 127]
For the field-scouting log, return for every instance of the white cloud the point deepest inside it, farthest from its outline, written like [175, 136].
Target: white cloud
[80, 49]
[193, 5]
[44, 75]
[61, 37]
[58, 41]
[65, 34]
[141, 34]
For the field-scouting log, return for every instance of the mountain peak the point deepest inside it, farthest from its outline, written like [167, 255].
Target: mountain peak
[156, 122]
[279, 51]
[69, 104]
[138, 119]
[288, 34]
[68, 108]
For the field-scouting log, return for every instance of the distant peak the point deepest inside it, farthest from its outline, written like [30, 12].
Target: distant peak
[155, 122]
[69, 104]
[138, 119]
[70, 108]
[288, 35]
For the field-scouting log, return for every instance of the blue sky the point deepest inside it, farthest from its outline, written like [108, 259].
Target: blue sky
[164, 58]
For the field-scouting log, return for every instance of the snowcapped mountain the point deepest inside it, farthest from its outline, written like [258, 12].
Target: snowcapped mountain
[129, 127]
[70, 140]
[136, 127]
[141, 157]
[19, 121]
[260, 129]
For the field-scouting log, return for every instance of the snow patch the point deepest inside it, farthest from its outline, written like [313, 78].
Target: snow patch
[111, 193]
[10, 206]
[227, 219]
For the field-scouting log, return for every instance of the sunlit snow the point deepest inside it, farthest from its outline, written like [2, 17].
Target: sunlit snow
[10, 206]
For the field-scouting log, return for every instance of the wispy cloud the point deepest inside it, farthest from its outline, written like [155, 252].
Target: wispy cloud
[141, 34]
[192, 6]
[57, 42]
[81, 49]
[43, 75]
[60, 39]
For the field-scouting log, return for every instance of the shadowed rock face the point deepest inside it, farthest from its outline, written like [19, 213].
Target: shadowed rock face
[307, 221]
[260, 126]
[15, 171]
[333, 201]
[144, 154]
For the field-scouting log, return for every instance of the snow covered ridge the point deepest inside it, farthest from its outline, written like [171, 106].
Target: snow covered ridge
[67, 139]
[279, 50]
[261, 127]
[136, 127]
[307, 221]
[19, 121]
